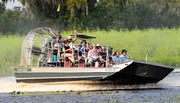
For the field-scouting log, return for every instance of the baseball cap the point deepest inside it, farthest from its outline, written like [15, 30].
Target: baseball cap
[69, 37]
[98, 45]
[124, 50]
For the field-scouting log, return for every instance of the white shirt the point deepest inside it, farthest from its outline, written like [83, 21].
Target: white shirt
[92, 54]
[71, 45]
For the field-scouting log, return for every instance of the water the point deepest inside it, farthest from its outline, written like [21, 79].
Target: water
[92, 92]
[154, 96]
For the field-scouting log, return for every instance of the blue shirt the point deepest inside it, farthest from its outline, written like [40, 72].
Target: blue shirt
[57, 44]
[116, 59]
[124, 58]
[82, 49]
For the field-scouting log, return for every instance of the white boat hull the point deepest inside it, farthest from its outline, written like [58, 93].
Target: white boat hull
[132, 72]
[62, 73]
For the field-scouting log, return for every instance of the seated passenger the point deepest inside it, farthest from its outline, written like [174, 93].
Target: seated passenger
[98, 48]
[124, 57]
[87, 49]
[93, 56]
[78, 53]
[83, 46]
[110, 51]
[79, 49]
[102, 56]
[116, 58]
[67, 50]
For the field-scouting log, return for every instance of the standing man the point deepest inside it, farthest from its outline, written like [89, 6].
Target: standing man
[57, 43]
[56, 46]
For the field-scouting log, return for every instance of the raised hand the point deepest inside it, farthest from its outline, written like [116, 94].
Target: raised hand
[75, 31]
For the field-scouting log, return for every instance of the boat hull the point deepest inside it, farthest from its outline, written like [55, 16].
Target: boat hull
[50, 74]
[58, 76]
[132, 72]
[141, 73]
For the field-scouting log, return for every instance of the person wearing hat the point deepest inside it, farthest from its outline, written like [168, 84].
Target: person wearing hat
[72, 40]
[124, 56]
[93, 56]
[98, 45]
[57, 45]
[98, 48]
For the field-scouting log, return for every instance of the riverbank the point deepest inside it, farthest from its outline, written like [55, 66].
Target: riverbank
[160, 45]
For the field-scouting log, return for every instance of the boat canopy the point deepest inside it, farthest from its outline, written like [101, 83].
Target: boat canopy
[84, 36]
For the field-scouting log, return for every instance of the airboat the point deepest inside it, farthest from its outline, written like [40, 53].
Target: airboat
[35, 65]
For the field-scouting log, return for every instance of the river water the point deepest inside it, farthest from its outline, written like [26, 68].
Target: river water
[166, 90]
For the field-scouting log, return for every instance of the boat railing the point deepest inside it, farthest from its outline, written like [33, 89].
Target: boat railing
[60, 60]
[79, 61]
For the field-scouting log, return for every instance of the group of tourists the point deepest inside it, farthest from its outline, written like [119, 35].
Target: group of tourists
[96, 54]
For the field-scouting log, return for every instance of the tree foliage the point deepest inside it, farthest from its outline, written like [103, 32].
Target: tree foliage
[12, 21]
[2, 7]
[93, 14]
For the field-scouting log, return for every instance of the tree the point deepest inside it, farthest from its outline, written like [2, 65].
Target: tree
[74, 5]
[2, 7]
[48, 8]
[102, 14]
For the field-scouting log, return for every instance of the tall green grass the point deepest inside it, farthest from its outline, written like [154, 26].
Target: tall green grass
[162, 46]
[10, 47]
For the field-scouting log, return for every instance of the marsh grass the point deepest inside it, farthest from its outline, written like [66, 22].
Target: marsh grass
[10, 47]
[160, 45]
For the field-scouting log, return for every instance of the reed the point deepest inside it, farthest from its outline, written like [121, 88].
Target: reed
[10, 47]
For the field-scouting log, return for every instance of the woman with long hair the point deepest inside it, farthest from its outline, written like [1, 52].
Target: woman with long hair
[87, 48]
[67, 50]
[116, 57]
